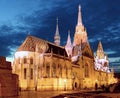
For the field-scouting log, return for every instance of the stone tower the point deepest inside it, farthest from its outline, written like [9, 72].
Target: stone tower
[100, 52]
[68, 46]
[57, 35]
[80, 35]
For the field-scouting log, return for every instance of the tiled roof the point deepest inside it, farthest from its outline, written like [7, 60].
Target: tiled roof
[33, 44]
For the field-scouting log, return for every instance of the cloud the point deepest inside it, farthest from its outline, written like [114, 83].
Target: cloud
[101, 19]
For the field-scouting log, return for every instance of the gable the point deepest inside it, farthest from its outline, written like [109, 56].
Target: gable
[87, 51]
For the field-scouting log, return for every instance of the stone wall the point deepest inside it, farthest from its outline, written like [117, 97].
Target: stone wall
[8, 81]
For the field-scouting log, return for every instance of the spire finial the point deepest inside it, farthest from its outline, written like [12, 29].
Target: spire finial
[57, 20]
[57, 29]
[68, 32]
[79, 16]
[79, 7]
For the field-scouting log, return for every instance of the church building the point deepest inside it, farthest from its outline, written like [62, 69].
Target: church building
[43, 65]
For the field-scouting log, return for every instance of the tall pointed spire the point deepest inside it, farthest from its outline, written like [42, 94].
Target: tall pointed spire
[79, 16]
[68, 46]
[57, 29]
[100, 52]
[100, 47]
[57, 35]
[80, 31]
[68, 39]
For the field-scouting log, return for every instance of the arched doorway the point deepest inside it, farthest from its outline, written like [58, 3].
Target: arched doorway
[76, 85]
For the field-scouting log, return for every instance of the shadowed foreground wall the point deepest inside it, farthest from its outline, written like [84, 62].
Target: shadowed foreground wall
[8, 81]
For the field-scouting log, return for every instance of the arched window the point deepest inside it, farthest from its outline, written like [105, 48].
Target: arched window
[25, 60]
[31, 60]
[86, 71]
[25, 73]
[60, 71]
[66, 71]
[54, 70]
[31, 73]
[48, 70]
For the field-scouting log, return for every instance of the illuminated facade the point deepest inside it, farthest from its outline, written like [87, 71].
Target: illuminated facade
[42, 65]
[101, 59]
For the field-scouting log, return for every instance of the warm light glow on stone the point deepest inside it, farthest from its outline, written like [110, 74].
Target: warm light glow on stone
[21, 54]
[64, 80]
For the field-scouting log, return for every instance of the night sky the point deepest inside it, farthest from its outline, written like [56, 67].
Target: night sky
[101, 18]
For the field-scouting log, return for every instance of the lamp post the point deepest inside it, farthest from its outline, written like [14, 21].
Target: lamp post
[64, 84]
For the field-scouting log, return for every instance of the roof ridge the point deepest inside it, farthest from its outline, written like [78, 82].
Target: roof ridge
[46, 41]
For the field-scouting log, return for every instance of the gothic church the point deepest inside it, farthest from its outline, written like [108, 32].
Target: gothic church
[42, 65]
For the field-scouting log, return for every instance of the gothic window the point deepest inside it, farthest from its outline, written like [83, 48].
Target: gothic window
[31, 60]
[60, 71]
[54, 70]
[25, 73]
[86, 71]
[25, 60]
[48, 70]
[66, 72]
[31, 73]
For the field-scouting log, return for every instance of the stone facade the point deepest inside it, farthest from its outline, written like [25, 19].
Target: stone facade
[42, 65]
[8, 81]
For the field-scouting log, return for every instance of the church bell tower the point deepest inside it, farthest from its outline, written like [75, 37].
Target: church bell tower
[80, 35]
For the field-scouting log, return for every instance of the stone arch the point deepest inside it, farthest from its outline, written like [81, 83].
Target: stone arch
[75, 84]
[24, 59]
[86, 70]
[60, 68]
[54, 70]
[31, 60]
[48, 69]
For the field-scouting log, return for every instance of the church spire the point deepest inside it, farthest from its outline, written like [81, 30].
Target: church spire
[79, 16]
[68, 46]
[57, 35]
[68, 39]
[100, 52]
[80, 31]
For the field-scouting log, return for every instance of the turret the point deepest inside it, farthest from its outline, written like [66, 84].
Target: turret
[100, 52]
[68, 46]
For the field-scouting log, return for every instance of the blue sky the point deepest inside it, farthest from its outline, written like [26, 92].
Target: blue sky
[19, 17]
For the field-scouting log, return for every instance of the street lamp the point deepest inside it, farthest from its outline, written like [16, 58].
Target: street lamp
[64, 84]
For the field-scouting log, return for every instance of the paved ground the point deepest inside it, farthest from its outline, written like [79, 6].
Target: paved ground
[40, 94]
[70, 94]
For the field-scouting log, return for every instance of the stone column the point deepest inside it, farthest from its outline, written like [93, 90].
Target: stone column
[28, 76]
